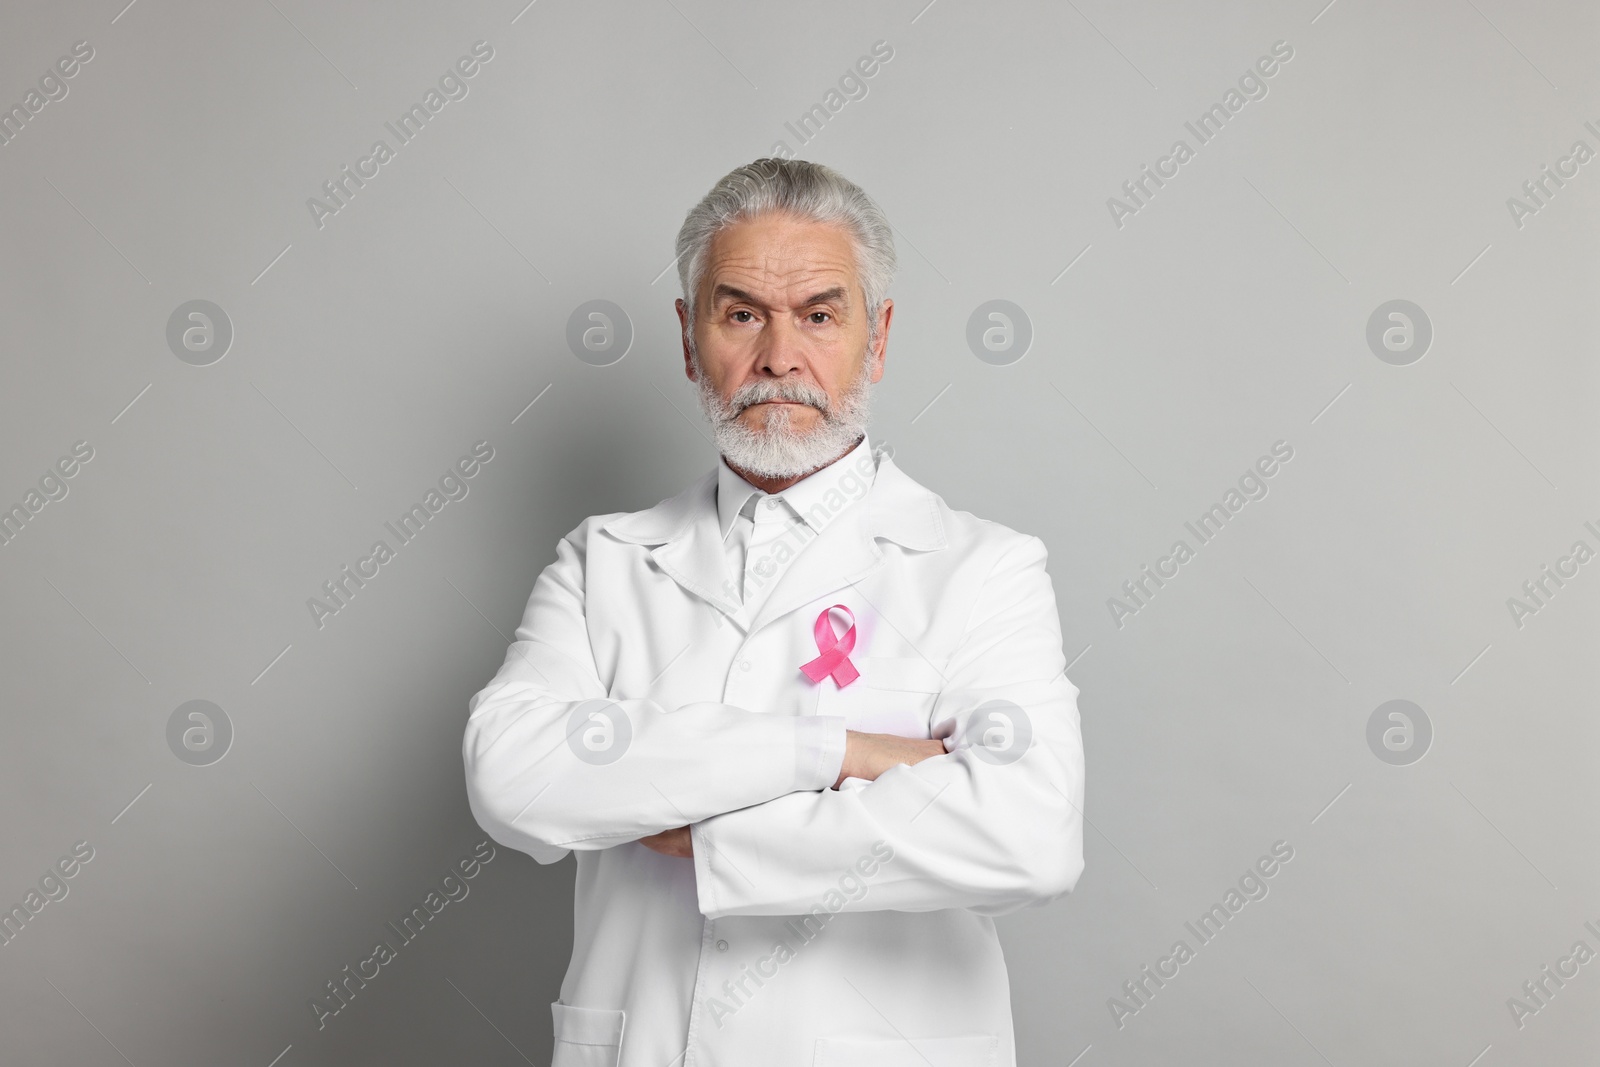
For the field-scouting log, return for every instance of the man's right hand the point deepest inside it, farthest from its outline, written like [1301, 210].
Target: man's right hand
[869, 755]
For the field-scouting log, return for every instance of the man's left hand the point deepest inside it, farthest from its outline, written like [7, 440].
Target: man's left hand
[671, 843]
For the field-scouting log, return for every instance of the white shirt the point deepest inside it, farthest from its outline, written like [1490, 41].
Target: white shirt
[763, 532]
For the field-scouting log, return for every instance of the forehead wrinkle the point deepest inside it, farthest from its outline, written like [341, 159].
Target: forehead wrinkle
[798, 287]
[783, 261]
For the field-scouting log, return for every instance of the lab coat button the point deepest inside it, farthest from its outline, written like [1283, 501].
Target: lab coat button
[744, 665]
[722, 946]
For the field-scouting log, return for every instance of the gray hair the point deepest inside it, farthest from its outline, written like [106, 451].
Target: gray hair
[798, 187]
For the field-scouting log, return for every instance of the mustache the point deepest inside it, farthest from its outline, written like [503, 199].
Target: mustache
[795, 392]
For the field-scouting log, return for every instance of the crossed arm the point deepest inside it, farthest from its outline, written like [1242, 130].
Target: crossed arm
[764, 804]
[866, 755]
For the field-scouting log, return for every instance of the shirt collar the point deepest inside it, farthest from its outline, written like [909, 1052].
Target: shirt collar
[816, 499]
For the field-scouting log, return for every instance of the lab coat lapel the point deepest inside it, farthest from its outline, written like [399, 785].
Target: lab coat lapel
[896, 508]
[840, 555]
[687, 540]
[688, 546]
[697, 562]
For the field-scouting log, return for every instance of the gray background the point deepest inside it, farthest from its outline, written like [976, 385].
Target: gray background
[1229, 313]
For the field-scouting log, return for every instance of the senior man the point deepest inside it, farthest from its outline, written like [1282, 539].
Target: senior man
[807, 728]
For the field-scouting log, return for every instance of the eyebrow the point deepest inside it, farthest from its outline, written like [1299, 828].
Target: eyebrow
[837, 293]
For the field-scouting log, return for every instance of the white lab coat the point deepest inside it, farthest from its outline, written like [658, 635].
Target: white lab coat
[813, 926]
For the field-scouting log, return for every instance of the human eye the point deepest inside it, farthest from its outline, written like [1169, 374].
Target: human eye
[825, 317]
[741, 311]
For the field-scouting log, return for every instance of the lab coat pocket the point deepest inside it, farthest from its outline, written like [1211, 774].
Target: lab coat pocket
[893, 695]
[587, 1037]
[966, 1050]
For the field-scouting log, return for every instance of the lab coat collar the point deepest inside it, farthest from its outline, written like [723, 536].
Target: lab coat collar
[688, 540]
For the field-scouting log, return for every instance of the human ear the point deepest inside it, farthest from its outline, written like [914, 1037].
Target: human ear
[683, 329]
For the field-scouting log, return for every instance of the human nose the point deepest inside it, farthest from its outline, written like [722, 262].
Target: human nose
[781, 350]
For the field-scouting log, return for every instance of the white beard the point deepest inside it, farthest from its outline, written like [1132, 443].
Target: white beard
[778, 450]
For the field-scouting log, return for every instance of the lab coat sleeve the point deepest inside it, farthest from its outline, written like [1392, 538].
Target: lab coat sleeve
[974, 828]
[545, 775]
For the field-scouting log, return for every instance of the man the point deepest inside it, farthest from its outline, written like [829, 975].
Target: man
[807, 728]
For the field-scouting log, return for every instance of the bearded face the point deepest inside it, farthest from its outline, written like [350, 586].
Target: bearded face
[782, 346]
[775, 446]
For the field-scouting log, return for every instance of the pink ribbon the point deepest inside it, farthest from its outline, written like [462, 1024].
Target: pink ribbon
[835, 657]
